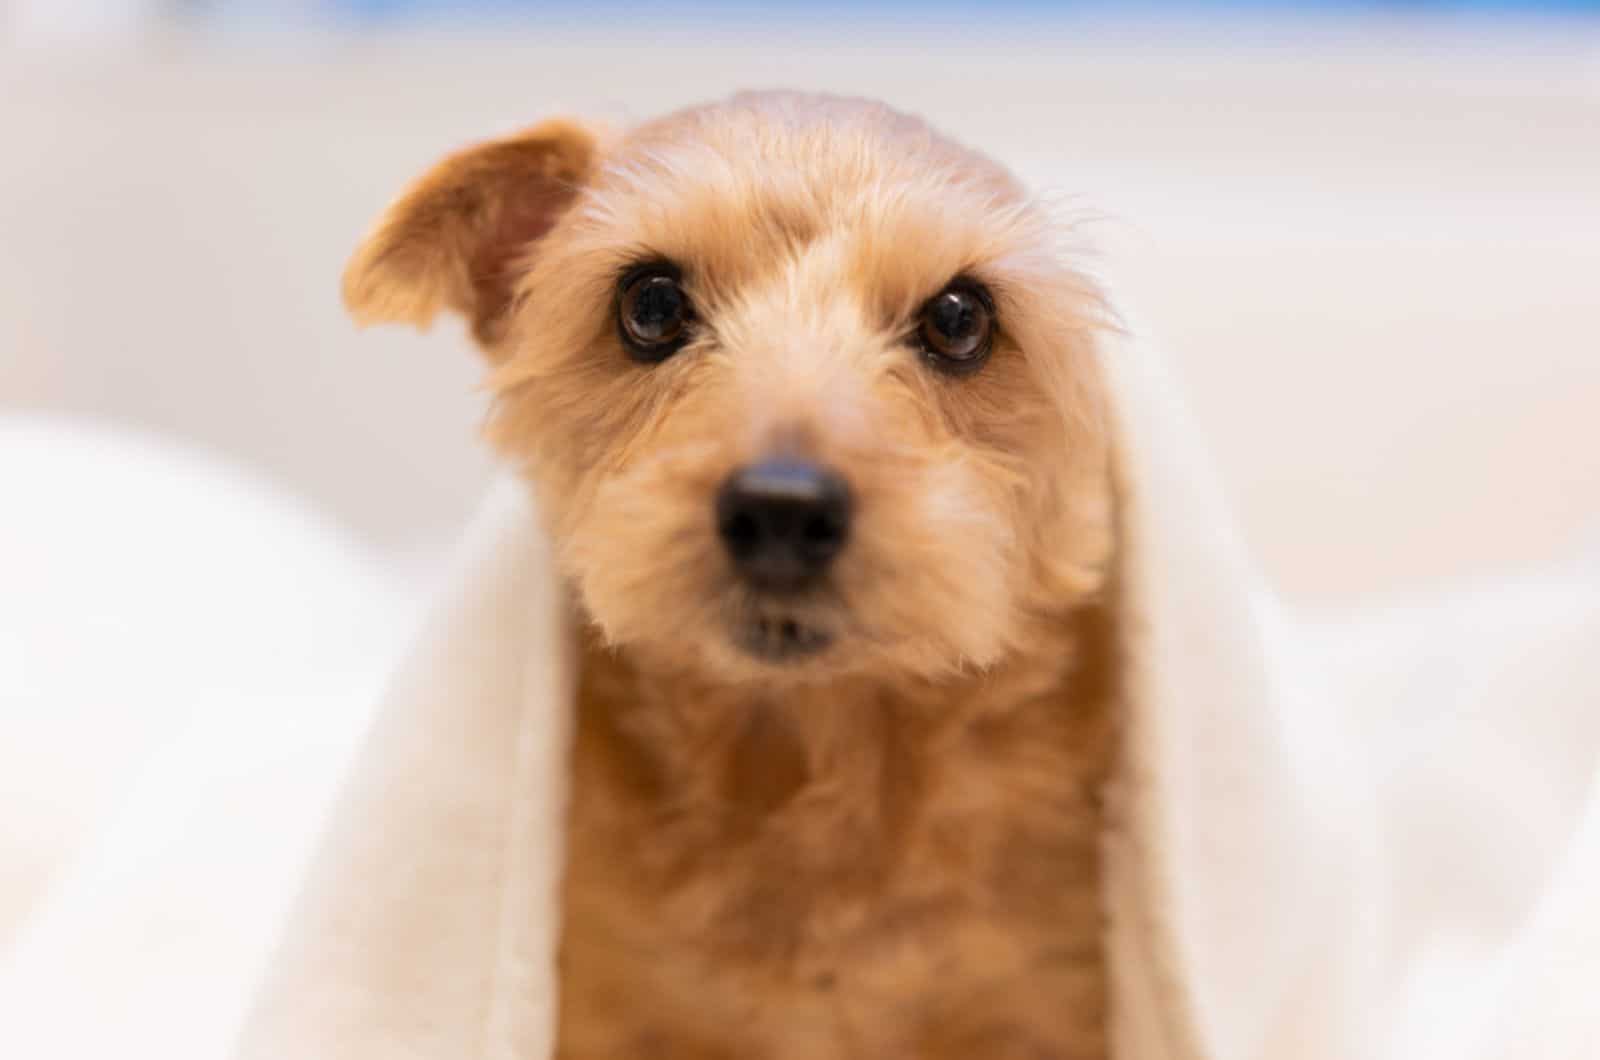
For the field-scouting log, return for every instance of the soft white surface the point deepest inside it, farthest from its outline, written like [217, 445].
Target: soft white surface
[165, 619]
[175, 752]
[1337, 841]
[1475, 711]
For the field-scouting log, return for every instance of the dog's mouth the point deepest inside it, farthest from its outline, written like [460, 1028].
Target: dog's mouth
[780, 638]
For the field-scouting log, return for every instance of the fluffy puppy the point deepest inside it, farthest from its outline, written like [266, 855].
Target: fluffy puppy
[807, 396]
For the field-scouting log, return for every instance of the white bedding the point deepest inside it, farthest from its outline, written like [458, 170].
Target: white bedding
[186, 657]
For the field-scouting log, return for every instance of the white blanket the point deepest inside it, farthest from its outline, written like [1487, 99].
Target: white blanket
[1335, 842]
[1362, 839]
[188, 658]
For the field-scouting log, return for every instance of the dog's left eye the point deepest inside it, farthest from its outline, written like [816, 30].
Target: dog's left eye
[653, 313]
[957, 327]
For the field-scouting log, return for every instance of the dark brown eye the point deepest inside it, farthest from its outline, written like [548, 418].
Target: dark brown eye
[957, 327]
[653, 313]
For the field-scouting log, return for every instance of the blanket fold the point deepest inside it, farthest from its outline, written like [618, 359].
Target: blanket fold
[1247, 898]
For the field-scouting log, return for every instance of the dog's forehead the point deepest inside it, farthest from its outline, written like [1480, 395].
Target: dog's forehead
[825, 137]
[736, 188]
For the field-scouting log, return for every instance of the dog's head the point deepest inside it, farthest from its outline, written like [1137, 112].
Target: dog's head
[805, 389]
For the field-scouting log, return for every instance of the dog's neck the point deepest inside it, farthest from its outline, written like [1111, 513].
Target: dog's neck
[939, 841]
[748, 748]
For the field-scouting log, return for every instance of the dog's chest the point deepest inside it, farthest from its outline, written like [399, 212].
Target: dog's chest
[833, 878]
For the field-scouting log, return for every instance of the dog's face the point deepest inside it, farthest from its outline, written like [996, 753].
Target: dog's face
[805, 390]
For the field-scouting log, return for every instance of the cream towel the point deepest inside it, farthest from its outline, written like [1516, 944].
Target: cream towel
[1254, 870]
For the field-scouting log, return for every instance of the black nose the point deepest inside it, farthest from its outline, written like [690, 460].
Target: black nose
[783, 521]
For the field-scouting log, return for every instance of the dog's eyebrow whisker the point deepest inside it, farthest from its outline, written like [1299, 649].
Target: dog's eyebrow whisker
[597, 209]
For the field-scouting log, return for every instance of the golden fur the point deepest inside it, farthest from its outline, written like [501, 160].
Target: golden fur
[889, 849]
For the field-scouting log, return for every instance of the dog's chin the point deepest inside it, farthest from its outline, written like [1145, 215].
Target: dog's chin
[779, 639]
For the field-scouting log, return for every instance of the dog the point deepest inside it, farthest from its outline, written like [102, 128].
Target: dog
[807, 397]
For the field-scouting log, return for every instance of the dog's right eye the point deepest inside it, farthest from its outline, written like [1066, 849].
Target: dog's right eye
[653, 313]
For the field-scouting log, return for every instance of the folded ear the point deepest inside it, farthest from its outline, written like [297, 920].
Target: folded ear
[451, 240]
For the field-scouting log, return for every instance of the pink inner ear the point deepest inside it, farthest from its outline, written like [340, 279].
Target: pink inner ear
[526, 215]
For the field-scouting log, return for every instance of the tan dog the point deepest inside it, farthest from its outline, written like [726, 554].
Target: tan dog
[806, 395]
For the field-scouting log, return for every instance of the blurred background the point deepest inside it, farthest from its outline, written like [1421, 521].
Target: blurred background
[1369, 234]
